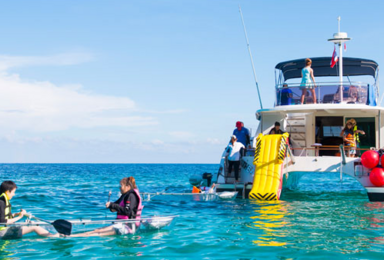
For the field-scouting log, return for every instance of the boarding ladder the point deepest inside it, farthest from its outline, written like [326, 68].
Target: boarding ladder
[296, 130]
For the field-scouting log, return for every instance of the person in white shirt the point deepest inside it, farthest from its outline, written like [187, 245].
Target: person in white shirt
[233, 151]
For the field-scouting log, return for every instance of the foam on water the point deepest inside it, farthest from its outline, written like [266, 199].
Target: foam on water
[322, 219]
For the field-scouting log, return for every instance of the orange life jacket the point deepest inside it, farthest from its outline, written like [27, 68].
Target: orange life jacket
[195, 190]
[351, 138]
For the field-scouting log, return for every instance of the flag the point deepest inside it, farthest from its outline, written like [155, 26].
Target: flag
[345, 46]
[334, 58]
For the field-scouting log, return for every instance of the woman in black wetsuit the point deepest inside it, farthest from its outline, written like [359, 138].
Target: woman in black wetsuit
[128, 206]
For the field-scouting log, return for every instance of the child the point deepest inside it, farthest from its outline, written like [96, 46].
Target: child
[349, 136]
[7, 191]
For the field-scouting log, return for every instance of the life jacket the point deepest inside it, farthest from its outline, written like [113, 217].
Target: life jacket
[195, 190]
[8, 207]
[351, 138]
[356, 134]
[7, 210]
[140, 207]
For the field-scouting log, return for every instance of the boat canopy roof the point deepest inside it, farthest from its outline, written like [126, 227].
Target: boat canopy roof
[321, 67]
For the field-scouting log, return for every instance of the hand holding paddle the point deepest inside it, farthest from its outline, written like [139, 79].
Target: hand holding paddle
[109, 197]
[22, 213]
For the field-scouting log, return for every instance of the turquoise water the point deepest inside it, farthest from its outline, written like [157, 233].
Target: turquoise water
[322, 219]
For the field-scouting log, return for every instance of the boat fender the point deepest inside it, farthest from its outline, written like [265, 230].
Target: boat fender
[377, 177]
[382, 160]
[370, 159]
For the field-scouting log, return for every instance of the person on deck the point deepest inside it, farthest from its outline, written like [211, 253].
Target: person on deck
[350, 135]
[286, 95]
[276, 130]
[242, 134]
[233, 151]
[128, 206]
[308, 81]
[7, 192]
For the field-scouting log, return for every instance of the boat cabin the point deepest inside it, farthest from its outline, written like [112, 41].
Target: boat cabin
[315, 128]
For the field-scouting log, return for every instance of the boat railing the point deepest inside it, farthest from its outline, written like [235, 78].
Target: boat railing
[332, 150]
[329, 92]
[342, 154]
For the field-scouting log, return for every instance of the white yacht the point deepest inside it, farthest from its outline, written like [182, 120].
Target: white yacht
[314, 129]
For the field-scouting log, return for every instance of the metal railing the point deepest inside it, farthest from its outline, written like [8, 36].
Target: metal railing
[353, 93]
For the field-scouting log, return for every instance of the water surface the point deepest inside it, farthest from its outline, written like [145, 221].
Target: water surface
[324, 218]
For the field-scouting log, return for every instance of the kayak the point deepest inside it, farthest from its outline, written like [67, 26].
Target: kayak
[147, 223]
[226, 195]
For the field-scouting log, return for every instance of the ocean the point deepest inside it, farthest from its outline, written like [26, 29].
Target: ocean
[323, 218]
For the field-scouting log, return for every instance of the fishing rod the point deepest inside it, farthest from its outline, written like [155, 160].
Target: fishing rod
[250, 55]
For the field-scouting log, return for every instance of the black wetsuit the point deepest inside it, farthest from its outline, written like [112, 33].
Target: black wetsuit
[131, 203]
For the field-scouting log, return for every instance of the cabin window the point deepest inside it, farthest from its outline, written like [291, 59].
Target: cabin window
[328, 131]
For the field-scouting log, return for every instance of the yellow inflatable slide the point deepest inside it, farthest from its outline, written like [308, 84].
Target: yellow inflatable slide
[269, 157]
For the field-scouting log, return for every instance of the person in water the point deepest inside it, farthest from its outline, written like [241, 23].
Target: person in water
[200, 189]
[128, 206]
[308, 81]
[7, 192]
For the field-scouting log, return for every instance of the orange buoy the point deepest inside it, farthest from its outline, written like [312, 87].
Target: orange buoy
[377, 177]
[370, 159]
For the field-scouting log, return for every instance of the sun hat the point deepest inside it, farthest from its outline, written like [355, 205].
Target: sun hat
[351, 121]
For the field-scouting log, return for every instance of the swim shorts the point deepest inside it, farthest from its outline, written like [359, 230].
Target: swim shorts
[124, 229]
[11, 233]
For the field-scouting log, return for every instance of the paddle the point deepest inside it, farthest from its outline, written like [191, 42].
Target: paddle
[62, 226]
[109, 197]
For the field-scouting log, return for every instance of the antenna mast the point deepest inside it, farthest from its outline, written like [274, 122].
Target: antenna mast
[250, 55]
[340, 38]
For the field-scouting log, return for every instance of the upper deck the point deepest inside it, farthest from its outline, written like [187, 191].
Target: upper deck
[354, 92]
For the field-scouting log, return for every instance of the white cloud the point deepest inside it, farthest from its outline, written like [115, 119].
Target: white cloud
[182, 135]
[175, 111]
[43, 106]
[215, 141]
[157, 142]
[7, 62]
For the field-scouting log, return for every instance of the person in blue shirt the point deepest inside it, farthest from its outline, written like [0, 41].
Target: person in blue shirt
[242, 133]
[286, 95]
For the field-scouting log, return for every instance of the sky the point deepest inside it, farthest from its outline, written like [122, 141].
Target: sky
[162, 81]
